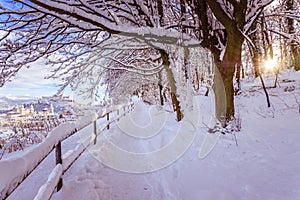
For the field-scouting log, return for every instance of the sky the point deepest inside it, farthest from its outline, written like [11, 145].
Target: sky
[31, 82]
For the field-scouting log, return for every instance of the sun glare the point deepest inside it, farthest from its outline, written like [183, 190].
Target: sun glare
[270, 64]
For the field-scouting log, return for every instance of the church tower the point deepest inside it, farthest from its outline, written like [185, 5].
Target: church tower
[22, 110]
[51, 110]
[31, 110]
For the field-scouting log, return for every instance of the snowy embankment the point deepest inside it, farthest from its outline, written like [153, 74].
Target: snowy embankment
[259, 162]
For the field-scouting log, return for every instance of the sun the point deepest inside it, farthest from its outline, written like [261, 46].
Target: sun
[270, 64]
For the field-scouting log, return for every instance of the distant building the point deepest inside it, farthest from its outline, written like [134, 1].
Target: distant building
[47, 111]
[16, 112]
[19, 113]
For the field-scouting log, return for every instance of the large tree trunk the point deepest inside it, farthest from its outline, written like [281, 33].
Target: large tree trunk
[220, 95]
[223, 79]
[226, 73]
[171, 80]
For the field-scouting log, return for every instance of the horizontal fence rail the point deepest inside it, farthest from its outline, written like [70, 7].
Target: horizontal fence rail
[16, 170]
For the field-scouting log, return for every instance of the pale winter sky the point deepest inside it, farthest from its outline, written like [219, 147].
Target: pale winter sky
[31, 82]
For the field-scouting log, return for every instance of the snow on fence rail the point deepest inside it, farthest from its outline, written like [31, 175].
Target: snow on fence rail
[15, 170]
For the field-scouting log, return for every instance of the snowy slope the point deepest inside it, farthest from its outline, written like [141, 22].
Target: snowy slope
[262, 163]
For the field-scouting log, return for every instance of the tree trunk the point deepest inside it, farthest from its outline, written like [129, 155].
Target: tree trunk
[295, 57]
[197, 82]
[256, 62]
[223, 79]
[243, 72]
[238, 77]
[160, 87]
[171, 80]
[220, 95]
[264, 39]
[256, 53]
[227, 72]
[265, 90]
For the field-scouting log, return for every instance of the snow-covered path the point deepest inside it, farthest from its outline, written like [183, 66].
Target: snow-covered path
[256, 169]
[264, 165]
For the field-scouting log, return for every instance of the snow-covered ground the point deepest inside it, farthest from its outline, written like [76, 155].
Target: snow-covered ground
[259, 162]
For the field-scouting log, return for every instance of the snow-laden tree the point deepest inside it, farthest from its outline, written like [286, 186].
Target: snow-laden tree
[119, 54]
[127, 64]
[80, 36]
[32, 28]
[222, 27]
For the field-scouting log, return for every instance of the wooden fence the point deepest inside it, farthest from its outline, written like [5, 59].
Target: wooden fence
[18, 169]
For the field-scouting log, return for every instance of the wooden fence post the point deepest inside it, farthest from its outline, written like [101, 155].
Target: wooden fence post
[107, 117]
[118, 113]
[58, 161]
[95, 131]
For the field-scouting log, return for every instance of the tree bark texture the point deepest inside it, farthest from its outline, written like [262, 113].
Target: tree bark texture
[171, 80]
